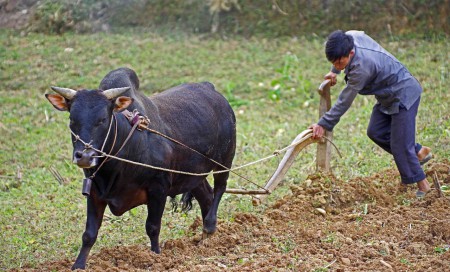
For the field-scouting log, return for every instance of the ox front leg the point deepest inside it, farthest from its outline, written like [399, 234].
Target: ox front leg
[155, 208]
[95, 211]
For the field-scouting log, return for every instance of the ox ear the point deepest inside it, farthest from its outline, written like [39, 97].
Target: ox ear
[122, 102]
[58, 101]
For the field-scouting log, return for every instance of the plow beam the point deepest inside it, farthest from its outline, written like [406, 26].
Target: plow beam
[302, 140]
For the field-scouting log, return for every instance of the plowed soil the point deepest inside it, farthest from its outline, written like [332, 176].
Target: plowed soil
[327, 224]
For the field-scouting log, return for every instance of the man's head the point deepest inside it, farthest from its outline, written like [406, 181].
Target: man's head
[339, 49]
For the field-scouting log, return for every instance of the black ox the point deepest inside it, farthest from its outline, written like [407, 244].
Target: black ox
[194, 114]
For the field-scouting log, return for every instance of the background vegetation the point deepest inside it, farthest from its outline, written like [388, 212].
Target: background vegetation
[235, 17]
[270, 82]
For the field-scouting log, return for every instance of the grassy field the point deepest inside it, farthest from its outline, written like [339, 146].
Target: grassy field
[271, 84]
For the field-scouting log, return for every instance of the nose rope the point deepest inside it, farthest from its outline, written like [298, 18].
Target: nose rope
[87, 146]
[90, 146]
[109, 129]
[78, 138]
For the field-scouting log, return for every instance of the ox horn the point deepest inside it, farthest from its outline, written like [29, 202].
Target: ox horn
[67, 93]
[115, 92]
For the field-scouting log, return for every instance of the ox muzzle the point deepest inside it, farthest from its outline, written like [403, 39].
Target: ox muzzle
[86, 158]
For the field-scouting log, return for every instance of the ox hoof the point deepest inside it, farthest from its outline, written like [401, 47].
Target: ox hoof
[204, 240]
[75, 267]
[206, 236]
[209, 226]
[208, 231]
[156, 250]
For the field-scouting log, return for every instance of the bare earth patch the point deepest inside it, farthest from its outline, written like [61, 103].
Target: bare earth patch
[14, 14]
[363, 224]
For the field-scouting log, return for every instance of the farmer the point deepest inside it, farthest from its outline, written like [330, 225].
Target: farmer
[371, 70]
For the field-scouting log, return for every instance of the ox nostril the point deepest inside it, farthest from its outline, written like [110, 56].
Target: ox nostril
[85, 159]
[78, 155]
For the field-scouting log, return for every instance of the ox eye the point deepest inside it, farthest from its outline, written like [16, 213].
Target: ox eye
[101, 122]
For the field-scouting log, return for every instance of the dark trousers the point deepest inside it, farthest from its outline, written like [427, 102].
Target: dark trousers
[396, 134]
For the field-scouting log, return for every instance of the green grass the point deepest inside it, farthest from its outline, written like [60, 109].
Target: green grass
[271, 84]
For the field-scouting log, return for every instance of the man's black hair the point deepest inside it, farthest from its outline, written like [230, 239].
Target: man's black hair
[338, 45]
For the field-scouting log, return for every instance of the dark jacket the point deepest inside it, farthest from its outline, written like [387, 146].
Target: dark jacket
[373, 71]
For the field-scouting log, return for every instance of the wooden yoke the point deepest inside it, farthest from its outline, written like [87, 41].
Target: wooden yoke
[323, 154]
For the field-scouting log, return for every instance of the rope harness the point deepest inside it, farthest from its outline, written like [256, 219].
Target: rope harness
[140, 123]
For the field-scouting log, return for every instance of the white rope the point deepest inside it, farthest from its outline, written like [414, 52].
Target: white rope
[109, 129]
[276, 153]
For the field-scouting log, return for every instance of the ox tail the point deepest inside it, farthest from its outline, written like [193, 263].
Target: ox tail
[186, 202]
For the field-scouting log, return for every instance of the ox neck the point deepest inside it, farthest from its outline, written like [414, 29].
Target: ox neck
[119, 137]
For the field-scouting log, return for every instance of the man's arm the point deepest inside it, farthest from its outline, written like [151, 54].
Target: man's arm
[357, 79]
[343, 103]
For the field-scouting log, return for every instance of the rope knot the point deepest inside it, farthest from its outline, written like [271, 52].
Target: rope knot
[77, 138]
[144, 121]
[88, 145]
[136, 117]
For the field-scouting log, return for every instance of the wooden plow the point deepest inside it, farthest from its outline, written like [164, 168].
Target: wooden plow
[302, 140]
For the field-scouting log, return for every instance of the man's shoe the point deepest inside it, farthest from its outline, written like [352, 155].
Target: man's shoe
[420, 194]
[423, 188]
[426, 159]
[424, 155]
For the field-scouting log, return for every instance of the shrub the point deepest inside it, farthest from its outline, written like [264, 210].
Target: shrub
[59, 16]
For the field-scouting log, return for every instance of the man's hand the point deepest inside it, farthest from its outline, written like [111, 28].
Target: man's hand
[317, 131]
[332, 77]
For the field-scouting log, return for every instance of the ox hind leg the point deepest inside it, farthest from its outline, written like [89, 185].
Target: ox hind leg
[95, 211]
[210, 221]
[155, 208]
[204, 196]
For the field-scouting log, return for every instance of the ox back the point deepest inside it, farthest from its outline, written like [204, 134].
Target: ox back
[194, 114]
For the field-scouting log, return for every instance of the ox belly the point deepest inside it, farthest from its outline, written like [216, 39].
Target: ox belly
[119, 204]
